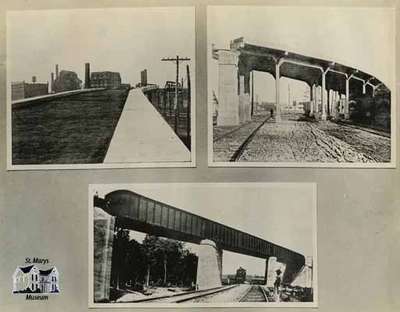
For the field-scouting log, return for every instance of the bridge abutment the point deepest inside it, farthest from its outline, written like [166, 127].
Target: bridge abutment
[103, 236]
[228, 99]
[209, 268]
[270, 264]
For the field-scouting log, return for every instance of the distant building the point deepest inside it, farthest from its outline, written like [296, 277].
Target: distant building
[126, 86]
[106, 79]
[240, 276]
[31, 279]
[23, 90]
[67, 81]
[143, 77]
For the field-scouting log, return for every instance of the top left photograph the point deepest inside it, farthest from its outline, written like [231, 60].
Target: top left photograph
[101, 88]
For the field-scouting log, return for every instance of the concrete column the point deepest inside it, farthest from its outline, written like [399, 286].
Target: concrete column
[228, 99]
[277, 104]
[323, 96]
[333, 104]
[346, 104]
[209, 267]
[317, 114]
[312, 100]
[364, 88]
[266, 271]
[244, 100]
[103, 236]
[270, 268]
[247, 82]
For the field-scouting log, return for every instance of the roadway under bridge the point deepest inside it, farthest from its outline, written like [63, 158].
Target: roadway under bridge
[331, 84]
[130, 210]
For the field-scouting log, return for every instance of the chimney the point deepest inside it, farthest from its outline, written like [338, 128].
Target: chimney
[87, 75]
[143, 77]
[33, 79]
[52, 83]
[56, 71]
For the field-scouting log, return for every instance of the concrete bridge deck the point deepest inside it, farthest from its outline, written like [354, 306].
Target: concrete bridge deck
[142, 135]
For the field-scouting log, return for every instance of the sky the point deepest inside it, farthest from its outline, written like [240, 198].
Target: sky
[359, 37]
[122, 40]
[280, 213]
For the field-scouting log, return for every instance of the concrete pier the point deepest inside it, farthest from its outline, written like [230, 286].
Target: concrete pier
[209, 268]
[103, 237]
[270, 271]
[228, 111]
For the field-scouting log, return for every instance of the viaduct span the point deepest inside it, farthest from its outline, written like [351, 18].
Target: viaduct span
[331, 84]
[129, 210]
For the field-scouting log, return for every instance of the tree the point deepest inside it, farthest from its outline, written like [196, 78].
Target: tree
[121, 241]
[159, 261]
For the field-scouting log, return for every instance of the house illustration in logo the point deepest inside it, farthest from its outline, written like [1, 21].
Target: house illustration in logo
[30, 279]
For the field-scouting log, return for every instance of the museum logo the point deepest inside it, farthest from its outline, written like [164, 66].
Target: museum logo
[35, 283]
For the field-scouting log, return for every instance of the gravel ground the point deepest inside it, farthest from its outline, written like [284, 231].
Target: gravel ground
[231, 295]
[375, 146]
[304, 141]
[228, 139]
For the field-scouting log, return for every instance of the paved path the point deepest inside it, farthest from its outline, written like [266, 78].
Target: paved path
[142, 135]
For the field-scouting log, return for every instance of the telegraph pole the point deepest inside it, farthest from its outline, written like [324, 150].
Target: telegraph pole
[177, 59]
[252, 93]
[189, 103]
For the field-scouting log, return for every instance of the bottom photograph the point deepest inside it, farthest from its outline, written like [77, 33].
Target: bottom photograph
[202, 244]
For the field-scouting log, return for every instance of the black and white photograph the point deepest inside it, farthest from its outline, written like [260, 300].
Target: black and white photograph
[101, 88]
[202, 244]
[301, 86]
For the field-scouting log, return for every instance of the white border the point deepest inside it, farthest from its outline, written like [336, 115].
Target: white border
[91, 304]
[393, 123]
[172, 164]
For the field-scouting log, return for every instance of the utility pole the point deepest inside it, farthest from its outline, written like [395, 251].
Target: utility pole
[189, 103]
[252, 93]
[176, 60]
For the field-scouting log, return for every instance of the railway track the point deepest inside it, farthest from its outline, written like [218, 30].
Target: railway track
[236, 155]
[185, 296]
[256, 293]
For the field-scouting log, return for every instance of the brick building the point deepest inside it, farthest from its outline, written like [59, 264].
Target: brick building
[66, 81]
[105, 79]
[23, 90]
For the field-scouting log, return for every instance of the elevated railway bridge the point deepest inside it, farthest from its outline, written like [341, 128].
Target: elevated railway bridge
[130, 210]
[331, 84]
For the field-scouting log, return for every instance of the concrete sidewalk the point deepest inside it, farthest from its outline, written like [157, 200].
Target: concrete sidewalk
[142, 135]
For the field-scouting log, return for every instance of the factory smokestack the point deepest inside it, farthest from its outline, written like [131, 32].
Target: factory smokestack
[33, 79]
[52, 83]
[56, 71]
[87, 75]
[143, 77]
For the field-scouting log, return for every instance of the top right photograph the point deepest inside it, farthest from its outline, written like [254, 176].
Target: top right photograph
[301, 86]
